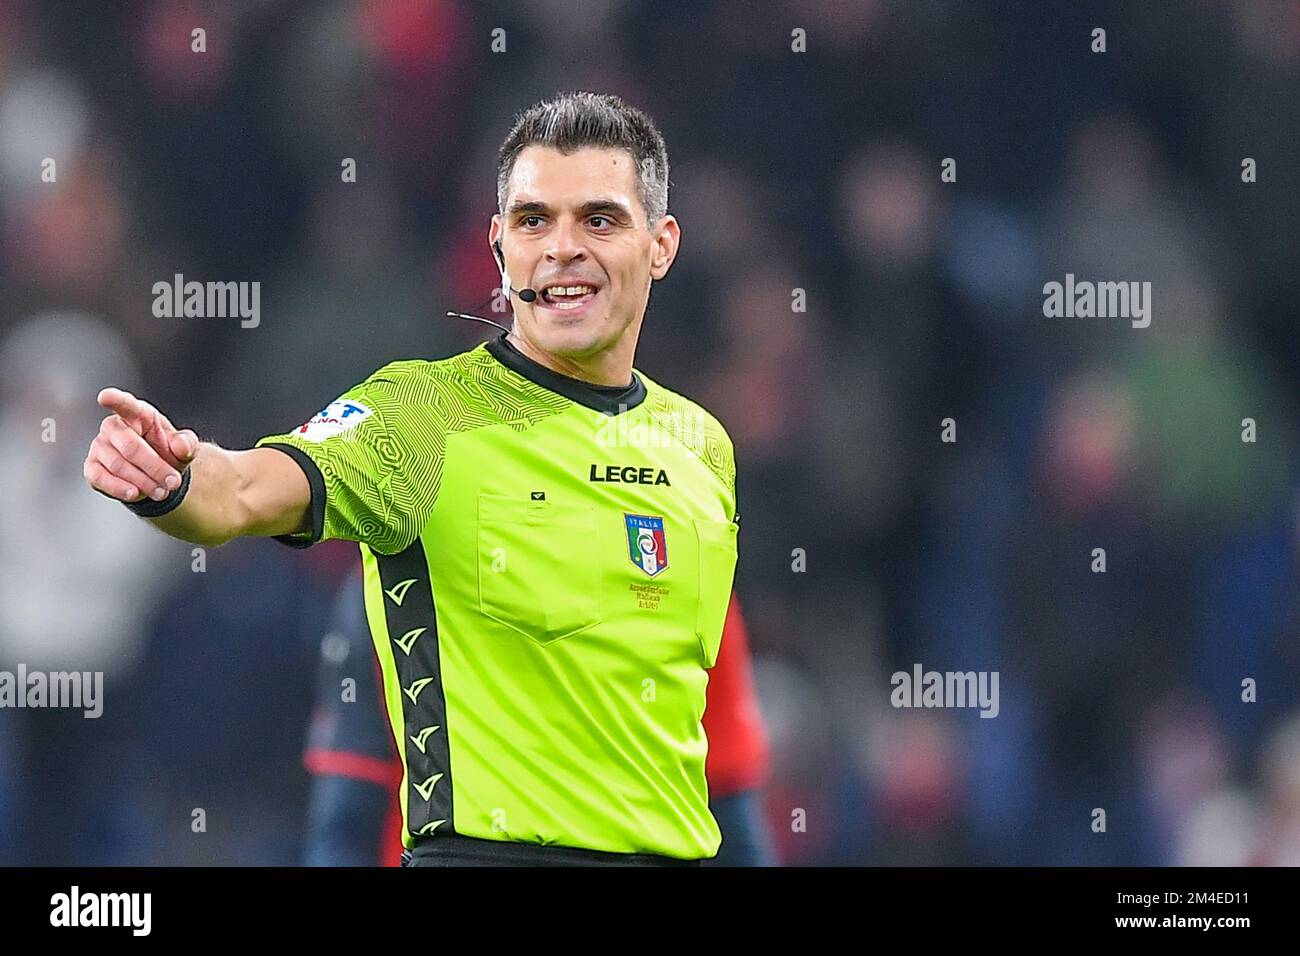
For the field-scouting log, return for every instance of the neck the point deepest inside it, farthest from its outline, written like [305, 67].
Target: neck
[611, 366]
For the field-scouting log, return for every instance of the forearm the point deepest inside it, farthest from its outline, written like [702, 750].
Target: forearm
[237, 493]
[209, 514]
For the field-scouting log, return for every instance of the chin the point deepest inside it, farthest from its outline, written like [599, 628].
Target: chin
[577, 336]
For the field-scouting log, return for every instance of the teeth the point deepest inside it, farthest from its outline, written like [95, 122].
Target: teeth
[569, 290]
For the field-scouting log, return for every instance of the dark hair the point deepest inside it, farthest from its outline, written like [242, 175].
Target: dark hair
[570, 121]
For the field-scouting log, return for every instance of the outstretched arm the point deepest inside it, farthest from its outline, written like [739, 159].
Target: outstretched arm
[139, 454]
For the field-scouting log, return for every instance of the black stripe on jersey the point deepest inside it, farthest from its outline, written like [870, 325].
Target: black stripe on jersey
[413, 638]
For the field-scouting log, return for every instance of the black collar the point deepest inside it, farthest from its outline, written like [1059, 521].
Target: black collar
[603, 398]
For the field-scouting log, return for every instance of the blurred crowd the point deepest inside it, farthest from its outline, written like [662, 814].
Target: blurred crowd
[818, 171]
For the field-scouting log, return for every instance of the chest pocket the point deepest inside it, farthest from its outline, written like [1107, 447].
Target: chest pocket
[538, 566]
[717, 552]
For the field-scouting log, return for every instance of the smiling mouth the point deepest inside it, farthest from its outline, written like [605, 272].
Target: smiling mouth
[568, 298]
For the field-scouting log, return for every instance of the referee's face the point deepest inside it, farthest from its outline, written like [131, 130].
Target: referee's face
[575, 231]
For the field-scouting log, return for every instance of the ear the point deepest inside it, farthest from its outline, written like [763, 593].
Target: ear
[494, 240]
[668, 236]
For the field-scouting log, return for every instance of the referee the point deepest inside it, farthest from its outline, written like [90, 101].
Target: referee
[548, 537]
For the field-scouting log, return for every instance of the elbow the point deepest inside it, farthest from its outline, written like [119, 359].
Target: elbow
[212, 541]
[205, 539]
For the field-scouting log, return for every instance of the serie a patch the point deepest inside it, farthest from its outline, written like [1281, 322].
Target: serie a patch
[336, 417]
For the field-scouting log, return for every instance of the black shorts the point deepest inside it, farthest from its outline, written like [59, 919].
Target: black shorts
[453, 849]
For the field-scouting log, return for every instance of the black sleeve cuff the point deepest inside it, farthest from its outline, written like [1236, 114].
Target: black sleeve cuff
[317, 482]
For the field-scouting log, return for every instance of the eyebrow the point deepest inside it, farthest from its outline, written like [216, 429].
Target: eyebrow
[588, 208]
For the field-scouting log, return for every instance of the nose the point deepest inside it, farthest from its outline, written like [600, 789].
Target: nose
[566, 243]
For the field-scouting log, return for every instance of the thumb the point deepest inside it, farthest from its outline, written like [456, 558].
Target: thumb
[184, 444]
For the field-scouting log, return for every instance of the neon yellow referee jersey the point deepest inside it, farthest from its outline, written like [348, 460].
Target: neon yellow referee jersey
[547, 572]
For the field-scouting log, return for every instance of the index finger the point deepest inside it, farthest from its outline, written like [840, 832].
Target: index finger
[123, 403]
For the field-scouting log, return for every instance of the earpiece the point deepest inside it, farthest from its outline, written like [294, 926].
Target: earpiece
[525, 294]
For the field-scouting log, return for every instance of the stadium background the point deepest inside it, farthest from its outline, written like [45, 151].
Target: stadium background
[817, 171]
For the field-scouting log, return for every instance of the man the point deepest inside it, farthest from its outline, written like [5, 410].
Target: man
[354, 813]
[548, 537]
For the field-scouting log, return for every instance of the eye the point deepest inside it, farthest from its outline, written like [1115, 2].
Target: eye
[593, 219]
[526, 222]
